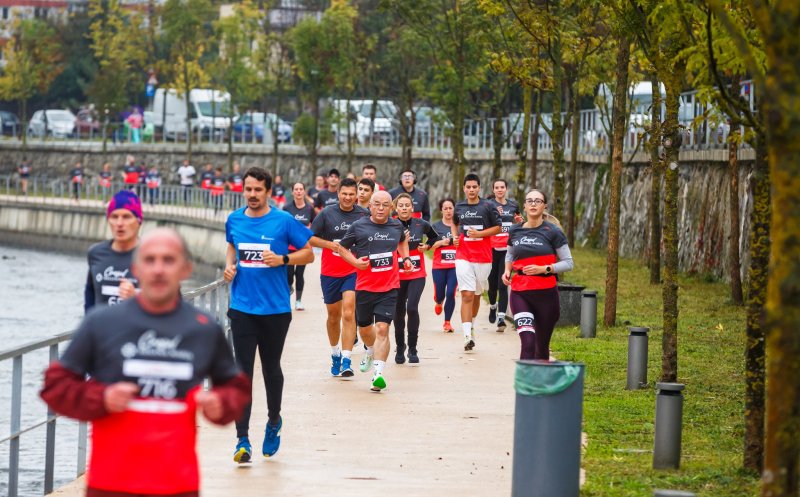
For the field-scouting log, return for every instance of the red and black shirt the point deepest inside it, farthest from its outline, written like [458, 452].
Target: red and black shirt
[378, 243]
[507, 212]
[419, 199]
[331, 224]
[479, 216]
[534, 246]
[444, 257]
[416, 230]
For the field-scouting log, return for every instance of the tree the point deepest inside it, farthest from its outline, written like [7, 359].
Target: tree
[33, 60]
[116, 43]
[186, 25]
[274, 57]
[235, 66]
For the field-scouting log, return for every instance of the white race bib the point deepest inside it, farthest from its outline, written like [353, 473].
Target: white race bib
[381, 262]
[252, 255]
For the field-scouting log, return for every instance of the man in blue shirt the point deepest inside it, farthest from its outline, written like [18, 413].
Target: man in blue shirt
[258, 239]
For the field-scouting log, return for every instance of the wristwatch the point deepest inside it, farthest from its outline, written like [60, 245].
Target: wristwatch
[548, 269]
[285, 260]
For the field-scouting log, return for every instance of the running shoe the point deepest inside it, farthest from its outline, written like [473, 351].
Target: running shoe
[366, 363]
[244, 451]
[469, 343]
[413, 358]
[492, 314]
[272, 438]
[298, 306]
[400, 355]
[447, 328]
[347, 369]
[501, 326]
[336, 365]
[378, 383]
[437, 308]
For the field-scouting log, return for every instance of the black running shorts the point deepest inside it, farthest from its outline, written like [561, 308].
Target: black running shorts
[375, 307]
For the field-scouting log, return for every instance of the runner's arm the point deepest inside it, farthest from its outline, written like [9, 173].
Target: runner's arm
[318, 242]
[302, 256]
[426, 209]
[69, 394]
[88, 294]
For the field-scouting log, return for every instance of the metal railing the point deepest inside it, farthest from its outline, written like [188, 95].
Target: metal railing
[704, 128]
[176, 201]
[212, 298]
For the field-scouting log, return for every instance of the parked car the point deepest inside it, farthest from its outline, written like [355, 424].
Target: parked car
[359, 119]
[87, 123]
[59, 123]
[254, 126]
[10, 123]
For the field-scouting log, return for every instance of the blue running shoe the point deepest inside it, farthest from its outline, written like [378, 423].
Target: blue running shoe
[244, 451]
[336, 365]
[347, 369]
[272, 439]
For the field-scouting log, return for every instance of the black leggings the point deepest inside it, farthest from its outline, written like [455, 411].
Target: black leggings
[408, 303]
[267, 334]
[535, 315]
[496, 286]
[297, 272]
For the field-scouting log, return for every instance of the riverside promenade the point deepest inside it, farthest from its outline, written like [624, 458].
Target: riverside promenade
[442, 427]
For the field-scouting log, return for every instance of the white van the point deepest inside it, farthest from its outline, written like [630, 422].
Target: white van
[209, 112]
[382, 129]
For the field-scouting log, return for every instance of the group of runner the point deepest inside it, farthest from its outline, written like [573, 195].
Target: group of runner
[373, 246]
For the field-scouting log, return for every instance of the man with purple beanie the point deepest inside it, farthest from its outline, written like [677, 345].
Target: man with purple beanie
[110, 280]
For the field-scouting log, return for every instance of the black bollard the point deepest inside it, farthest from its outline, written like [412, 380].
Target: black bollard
[588, 314]
[637, 357]
[547, 429]
[672, 493]
[669, 423]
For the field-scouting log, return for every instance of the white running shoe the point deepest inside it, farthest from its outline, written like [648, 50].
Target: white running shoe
[298, 306]
[366, 363]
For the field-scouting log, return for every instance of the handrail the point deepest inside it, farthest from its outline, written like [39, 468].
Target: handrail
[212, 298]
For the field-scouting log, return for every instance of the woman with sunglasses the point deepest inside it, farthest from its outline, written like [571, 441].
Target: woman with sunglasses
[537, 251]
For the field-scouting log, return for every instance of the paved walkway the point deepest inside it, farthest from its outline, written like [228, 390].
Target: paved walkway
[443, 427]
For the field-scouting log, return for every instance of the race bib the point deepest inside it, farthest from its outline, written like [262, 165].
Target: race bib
[524, 322]
[506, 227]
[476, 227]
[415, 263]
[448, 256]
[336, 240]
[251, 255]
[381, 262]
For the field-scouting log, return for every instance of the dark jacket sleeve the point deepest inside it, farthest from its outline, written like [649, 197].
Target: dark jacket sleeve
[426, 209]
[235, 394]
[68, 393]
[88, 294]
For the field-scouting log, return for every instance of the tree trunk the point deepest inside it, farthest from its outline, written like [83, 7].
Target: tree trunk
[655, 185]
[350, 150]
[315, 143]
[275, 124]
[24, 106]
[458, 146]
[573, 165]
[497, 143]
[187, 91]
[557, 132]
[672, 78]
[522, 147]
[535, 138]
[618, 123]
[733, 238]
[756, 299]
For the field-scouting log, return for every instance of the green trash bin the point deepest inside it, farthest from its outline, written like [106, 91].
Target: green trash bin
[547, 429]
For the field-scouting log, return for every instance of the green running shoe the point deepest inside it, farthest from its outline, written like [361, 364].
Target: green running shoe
[378, 383]
[366, 363]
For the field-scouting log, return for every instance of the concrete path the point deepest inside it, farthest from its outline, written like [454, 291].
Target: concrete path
[443, 427]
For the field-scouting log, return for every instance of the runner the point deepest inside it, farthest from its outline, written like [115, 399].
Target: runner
[24, 171]
[186, 173]
[141, 176]
[278, 192]
[260, 310]
[475, 220]
[235, 184]
[319, 185]
[537, 251]
[411, 283]
[217, 189]
[366, 187]
[206, 177]
[109, 280]
[326, 198]
[509, 215]
[408, 180]
[444, 265]
[136, 371]
[130, 173]
[376, 241]
[105, 178]
[76, 177]
[153, 184]
[303, 212]
[337, 278]
[369, 171]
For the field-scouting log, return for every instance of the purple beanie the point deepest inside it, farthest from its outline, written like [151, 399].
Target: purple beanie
[126, 199]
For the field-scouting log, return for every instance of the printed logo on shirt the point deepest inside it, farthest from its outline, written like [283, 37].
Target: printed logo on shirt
[378, 236]
[527, 240]
[342, 227]
[151, 345]
[111, 274]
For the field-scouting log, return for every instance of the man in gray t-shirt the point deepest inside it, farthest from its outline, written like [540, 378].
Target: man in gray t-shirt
[109, 279]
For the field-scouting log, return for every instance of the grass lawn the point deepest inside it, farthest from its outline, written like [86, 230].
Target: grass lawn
[619, 423]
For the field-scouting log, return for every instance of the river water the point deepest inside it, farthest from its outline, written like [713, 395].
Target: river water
[41, 295]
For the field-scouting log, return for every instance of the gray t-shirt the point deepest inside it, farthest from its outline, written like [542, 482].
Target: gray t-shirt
[107, 268]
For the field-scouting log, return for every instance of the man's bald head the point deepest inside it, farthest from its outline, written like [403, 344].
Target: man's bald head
[167, 237]
[381, 196]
